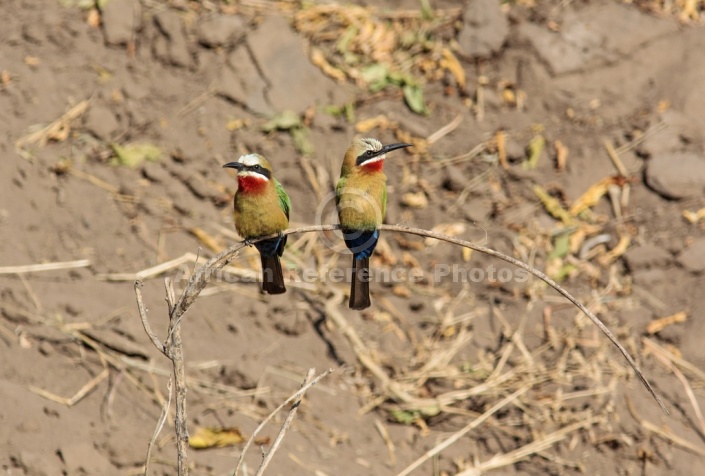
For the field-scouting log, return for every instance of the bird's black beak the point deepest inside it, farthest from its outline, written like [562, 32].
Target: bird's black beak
[391, 147]
[233, 165]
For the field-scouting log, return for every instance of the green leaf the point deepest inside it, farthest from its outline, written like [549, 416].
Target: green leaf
[132, 155]
[561, 246]
[376, 76]
[405, 417]
[283, 121]
[302, 140]
[413, 95]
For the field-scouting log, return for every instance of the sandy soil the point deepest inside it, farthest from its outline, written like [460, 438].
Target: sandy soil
[81, 385]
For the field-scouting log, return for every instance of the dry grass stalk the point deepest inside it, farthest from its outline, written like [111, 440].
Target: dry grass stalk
[384, 433]
[525, 451]
[459, 434]
[160, 425]
[37, 268]
[78, 396]
[666, 433]
[57, 130]
[309, 382]
[523, 374]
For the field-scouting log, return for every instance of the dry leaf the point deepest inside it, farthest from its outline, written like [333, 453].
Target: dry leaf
[93, 18]
[319, 59]
[501, 140]
[617, 251]
[211, 437]
[590, 198]
[414, 200]
[451, 63]
[561, 154]
[367, 125]
[449, 229]
[694, 217]
[660, 324]
[235, 124]
[31, 60]
[5, 78]
[401, 291]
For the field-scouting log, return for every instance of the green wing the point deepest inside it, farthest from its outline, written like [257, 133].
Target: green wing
[284, 201]
[338, 188]
[384, 202]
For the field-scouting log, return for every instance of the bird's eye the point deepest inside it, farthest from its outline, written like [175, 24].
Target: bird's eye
[369, 153]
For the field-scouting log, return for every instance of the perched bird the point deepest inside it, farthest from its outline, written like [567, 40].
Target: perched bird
[361, 199]
[261, 209]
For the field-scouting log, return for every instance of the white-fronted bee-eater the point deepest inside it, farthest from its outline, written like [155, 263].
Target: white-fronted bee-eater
[261, 209]
[361, 199]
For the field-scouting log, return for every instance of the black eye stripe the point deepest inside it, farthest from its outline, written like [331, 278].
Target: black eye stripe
[257, 168]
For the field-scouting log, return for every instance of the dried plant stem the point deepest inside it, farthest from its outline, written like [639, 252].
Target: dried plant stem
[534, 447]
[173, 350]
[287, 422]
[459, 434]
[158, 429]
[172, 347]
[295, 397]
[35, 268]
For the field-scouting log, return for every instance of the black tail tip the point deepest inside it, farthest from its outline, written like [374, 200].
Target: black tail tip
[273, 288]
[359, 304]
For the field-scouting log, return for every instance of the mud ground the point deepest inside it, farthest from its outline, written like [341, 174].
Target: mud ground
[197, 81]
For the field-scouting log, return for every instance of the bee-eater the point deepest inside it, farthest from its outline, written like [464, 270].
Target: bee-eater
[361, 199]
[261, 209]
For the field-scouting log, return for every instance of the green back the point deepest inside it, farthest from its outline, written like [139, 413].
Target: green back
[284, 201]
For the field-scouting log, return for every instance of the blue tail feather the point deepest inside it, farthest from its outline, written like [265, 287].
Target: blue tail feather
[361, 242]
[271, 247]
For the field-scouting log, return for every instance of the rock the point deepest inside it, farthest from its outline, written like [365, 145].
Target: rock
[645, 257]
[676, 175]
[594, 36]
[648, 278]
[120, 20]
[294, 83]
[693, 258]
[485, 29]
[678, 131]
[221, 30]
[241, 82]
[101, 122]
[171, 45]
[83, 458]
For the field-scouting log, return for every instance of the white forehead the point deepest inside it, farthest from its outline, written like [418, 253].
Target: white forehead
[372, 144]
[249, 160]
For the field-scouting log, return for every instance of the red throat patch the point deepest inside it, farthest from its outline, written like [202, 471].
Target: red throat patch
[374, 166]
[251, 184]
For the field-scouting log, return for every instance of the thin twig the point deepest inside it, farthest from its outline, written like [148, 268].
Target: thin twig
[535, 446]
[35, 268]
[271, 415]
[158, 429]
[287, 422]
[459, 434]
[202, 275]
[145, 321]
